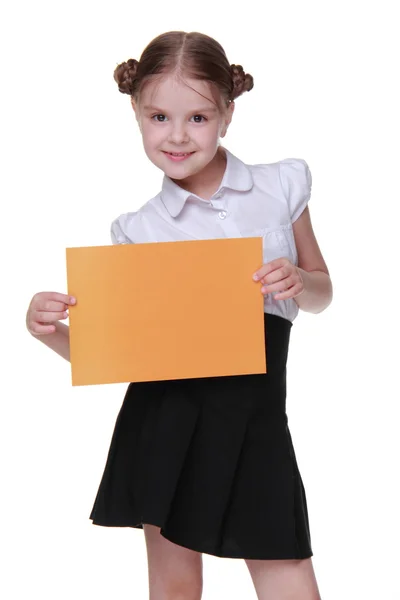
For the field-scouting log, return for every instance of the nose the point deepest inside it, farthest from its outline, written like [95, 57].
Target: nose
[178, 134]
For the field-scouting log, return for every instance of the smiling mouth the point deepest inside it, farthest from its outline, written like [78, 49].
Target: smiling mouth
[178, 153]
[178, 157]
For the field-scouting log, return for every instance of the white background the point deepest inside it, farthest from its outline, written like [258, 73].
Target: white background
[325, 90]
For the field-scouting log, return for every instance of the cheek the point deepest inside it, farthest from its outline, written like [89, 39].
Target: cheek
[209, 136]
[151, 136]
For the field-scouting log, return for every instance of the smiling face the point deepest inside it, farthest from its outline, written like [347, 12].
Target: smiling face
[181, 125]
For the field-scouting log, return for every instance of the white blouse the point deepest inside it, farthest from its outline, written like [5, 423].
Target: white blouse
[252, 201]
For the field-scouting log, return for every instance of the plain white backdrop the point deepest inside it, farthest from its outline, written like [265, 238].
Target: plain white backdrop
[325, 90]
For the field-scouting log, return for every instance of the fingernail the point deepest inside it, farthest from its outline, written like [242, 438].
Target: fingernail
[72, 300]
[255, 277]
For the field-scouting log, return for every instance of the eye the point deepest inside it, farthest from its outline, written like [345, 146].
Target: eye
[199, 118]
[159, 118]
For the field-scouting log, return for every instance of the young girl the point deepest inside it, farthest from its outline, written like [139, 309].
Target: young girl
[207, 465]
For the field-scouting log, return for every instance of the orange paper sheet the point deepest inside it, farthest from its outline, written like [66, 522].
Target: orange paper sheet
[170, 310]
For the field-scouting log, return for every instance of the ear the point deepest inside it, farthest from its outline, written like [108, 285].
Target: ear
[228, 118]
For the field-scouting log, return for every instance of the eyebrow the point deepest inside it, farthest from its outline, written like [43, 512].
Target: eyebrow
[195, 111]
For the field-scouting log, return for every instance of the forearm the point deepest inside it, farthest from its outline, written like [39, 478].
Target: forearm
[57, 341]
[317, 294]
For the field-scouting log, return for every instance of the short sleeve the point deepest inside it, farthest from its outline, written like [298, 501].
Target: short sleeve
[296, 181]
[120, 229]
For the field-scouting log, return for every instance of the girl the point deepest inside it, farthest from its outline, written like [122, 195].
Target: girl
[207, 465]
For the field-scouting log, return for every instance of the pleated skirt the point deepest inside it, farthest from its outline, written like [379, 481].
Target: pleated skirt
[211, 462]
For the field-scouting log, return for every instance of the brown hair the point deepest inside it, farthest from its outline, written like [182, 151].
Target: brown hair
[194, 55]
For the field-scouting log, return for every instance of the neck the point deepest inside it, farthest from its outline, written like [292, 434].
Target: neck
[207, 182]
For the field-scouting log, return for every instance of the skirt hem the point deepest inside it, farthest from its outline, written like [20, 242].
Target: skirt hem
[210, 551]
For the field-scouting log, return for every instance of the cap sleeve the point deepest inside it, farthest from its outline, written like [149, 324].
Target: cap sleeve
[296, 181]
[120, 229]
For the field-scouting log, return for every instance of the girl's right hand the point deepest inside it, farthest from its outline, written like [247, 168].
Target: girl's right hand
[45, 309]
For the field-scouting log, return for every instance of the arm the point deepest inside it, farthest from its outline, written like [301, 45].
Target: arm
[317, 293]
[57, 341]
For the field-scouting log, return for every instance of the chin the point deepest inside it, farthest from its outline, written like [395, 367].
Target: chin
[178, 174]
[180, 170]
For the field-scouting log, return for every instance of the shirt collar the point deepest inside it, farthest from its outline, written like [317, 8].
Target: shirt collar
[237, 177]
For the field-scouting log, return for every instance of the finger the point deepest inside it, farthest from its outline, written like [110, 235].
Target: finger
[38, 329]
[269, 267]
[49, 317]
[292, 292]
[52, 306]
[279, 286]
[53, 296]
[276, 275]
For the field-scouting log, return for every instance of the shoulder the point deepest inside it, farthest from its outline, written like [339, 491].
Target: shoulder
[288, 179]
[127, 228]
[296, 183]
[121, 228]
[295, 172]
[291, 180]
[292, 170]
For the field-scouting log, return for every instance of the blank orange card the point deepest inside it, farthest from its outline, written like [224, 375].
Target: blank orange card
[169, 310]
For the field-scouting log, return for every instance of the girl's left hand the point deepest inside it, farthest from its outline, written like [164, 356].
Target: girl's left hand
[280, 275]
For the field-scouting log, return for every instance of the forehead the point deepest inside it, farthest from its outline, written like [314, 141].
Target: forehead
[173, 92]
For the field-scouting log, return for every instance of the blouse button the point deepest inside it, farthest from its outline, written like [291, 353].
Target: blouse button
[222, 214]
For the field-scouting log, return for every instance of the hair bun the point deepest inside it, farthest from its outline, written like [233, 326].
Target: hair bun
[242, 82]
[125, 75]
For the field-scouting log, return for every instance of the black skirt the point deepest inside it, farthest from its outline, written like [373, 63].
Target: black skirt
[211, 462]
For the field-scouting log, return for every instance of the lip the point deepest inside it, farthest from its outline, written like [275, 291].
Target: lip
[184, 156]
